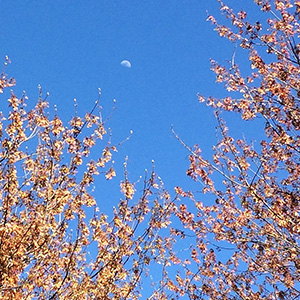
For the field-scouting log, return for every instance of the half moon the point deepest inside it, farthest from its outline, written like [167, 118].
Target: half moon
[126, 63]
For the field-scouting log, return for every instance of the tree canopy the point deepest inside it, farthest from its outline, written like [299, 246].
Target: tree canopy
[237, 239]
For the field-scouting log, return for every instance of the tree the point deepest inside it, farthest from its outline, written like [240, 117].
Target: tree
[247, 241]
[55, 243]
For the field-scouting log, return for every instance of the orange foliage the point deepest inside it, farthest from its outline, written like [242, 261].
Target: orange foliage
[242, 243]
[52, 245]
[254, 220]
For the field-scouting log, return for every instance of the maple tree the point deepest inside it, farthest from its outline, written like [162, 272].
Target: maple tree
[55, 243]
[247, 231]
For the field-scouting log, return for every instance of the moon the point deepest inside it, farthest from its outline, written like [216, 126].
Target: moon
[126, 63]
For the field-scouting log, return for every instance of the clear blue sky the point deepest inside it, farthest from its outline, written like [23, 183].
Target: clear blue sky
[72, 48]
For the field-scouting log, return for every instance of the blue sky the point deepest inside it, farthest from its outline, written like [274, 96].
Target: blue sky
[72, 48]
